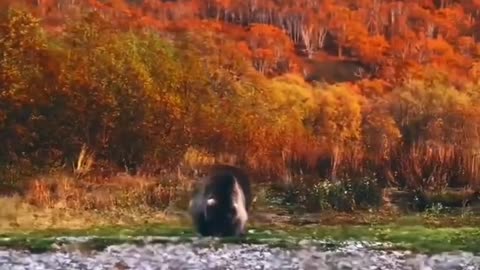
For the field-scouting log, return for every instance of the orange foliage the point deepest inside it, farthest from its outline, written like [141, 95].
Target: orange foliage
[397, 38]
[214, 89]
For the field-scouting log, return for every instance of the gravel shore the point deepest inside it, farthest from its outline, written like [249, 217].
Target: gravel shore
[235, 256]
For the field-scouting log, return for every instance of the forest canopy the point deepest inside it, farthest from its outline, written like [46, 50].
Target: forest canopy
[140, 83]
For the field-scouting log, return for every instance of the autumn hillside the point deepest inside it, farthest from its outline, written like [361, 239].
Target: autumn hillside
[389, 40]
[384, 90]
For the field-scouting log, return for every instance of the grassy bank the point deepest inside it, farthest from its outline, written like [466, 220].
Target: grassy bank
[126, 208]
[38, 229]
[412, 237]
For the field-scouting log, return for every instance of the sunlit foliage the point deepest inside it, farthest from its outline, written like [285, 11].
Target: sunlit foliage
[140, 84]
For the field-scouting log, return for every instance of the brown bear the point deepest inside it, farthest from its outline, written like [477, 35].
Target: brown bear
[221, 202]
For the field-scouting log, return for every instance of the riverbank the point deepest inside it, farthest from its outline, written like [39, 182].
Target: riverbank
[40, 228]
[352, 255]
[142, 238]
[414, 233]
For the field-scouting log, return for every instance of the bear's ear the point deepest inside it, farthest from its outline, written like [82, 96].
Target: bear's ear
[211, 202]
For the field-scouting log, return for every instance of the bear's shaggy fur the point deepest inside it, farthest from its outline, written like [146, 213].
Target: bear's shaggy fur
[221, 202]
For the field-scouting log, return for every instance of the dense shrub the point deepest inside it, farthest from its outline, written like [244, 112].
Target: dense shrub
[345, 194]
[119, 192]
[131, 97]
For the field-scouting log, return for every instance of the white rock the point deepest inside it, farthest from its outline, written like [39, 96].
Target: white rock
[352, 255]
